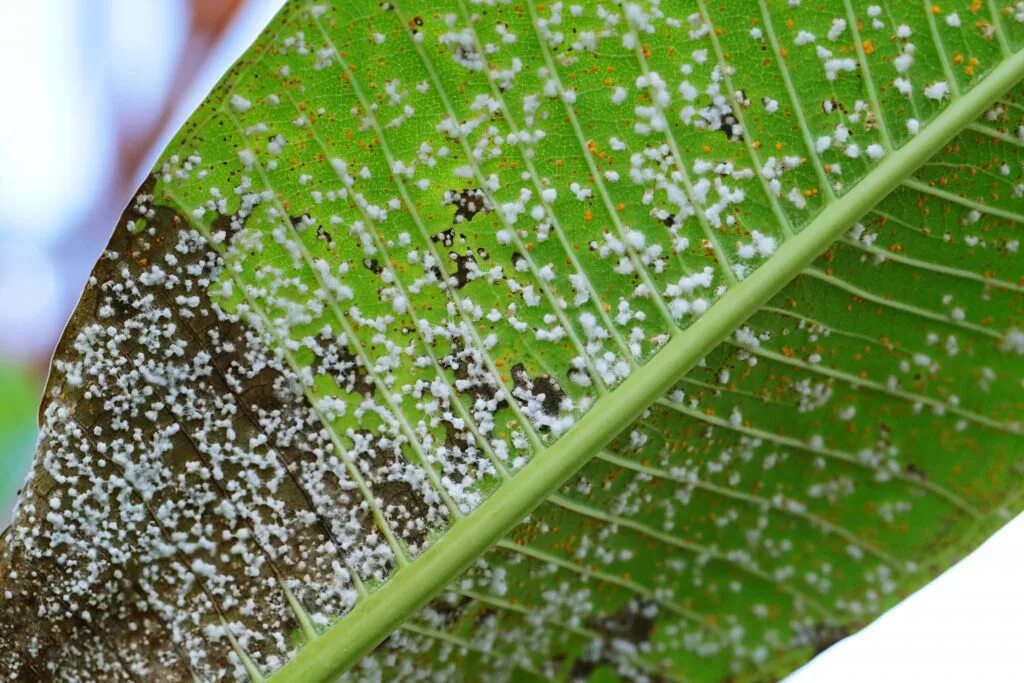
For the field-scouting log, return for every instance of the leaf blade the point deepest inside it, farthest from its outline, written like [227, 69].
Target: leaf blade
[322, 352]
[383, 611]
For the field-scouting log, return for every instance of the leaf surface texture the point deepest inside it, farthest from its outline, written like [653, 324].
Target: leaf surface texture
[547, 341]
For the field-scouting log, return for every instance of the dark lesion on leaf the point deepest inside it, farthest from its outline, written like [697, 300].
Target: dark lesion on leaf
[405, 507]
[324, 236]
[446, 238]
[462, 258]
[44, 631]
[633, 622]
[631, 625]
[667, 218]
[449, 609]
[471, 379]
[463, 268]
[228, 224]
[914, 472]
[342, 365]
[462, 262]
[373, 265]
[94, 580]
[467, 202]
[821, 636]
[720, 116]
[306, 222]
[415, 24]
[832, 105]
[543, 388]
[519, 261]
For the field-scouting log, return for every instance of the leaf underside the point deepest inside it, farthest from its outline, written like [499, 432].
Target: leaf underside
[416, 269]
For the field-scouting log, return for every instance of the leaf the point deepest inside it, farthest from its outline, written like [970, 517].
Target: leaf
[540, 342]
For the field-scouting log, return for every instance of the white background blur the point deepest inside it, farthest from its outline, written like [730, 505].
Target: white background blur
[92, 91]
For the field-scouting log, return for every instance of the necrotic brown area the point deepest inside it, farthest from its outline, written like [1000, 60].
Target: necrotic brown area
[181, 482]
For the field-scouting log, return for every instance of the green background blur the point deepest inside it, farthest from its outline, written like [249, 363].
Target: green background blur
[19, 394]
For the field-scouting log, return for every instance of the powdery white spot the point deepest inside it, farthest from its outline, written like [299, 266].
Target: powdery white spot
[937, 91]
[240, 104]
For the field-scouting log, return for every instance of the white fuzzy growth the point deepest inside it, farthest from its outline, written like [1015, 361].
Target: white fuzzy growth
[240, 104]
[937, 91]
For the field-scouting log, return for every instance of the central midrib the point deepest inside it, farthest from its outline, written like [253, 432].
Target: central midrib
[412, 586]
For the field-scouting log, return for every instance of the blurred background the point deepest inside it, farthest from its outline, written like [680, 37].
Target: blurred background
[95, 88]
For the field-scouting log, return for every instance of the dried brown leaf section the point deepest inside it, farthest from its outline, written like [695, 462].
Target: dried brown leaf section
[182, 484]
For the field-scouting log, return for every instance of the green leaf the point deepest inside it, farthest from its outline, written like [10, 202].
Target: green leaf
[489, 340]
